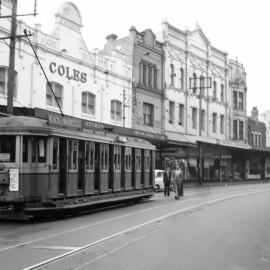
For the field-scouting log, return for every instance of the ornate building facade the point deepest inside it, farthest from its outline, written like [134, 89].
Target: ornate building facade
[199, 113]
[87, 85]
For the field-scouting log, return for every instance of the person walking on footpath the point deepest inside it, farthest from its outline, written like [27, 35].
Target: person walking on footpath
[177, 177]
[167, 181]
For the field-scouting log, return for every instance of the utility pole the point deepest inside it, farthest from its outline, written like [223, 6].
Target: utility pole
[124, 107]
[11, 72]
[193, 85]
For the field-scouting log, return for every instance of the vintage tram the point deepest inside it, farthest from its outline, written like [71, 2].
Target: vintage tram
[55, 166]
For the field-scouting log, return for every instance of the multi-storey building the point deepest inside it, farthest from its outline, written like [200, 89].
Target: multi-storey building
[86, 84]
[145, 54]
[257, 162]
[198, 104]
[265, 117]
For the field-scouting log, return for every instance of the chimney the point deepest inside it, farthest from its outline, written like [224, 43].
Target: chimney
[255, 114]
[111, 38]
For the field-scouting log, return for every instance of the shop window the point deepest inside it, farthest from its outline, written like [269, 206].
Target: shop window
[58, 92]
[88, 103]
[116, 110]
[4, 82]
[38, 149]
[7, 148]
[89, 156]
[148, 114]
[254, 166]
[171, 112]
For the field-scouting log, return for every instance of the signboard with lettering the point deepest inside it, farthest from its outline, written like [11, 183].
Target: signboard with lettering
[13, 180]
[69, 73]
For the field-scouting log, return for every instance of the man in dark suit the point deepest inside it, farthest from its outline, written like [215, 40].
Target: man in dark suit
[167, 181]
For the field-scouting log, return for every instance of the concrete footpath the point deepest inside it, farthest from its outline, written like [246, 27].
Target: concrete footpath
[207, 184]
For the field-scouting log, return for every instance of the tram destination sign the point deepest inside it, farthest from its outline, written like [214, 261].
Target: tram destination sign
[73, 123]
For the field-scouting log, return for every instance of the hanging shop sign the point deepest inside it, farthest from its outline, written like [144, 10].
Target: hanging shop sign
[69, 73]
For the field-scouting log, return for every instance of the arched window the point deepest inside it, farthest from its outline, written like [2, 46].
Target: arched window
[58, 92]
[172, 74]
[116, 110]
[215, 90]
[88, 103]
[222, 92]
[181, 78]
[4, 81]
[194, 83]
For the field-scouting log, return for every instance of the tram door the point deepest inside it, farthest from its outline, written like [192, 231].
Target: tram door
[62, 165]
[81, 164]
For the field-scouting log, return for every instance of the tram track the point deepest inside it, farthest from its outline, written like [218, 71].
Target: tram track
[77, 250]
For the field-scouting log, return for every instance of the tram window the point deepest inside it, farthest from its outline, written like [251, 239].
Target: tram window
[117, 157]
[25, 149]
[55, 154]
[38, 149]
[138, 159]
[72, 155]
[7, 148]
[128, 158]
[89, 155]
[104, 156]
[147, 160]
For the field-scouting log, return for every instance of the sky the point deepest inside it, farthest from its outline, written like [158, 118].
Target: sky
[239, 27]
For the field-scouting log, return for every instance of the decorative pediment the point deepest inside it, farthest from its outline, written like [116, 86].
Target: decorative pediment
[149, 37]
[199, 39]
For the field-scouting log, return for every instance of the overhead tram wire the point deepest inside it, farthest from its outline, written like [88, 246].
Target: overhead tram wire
[25, 32]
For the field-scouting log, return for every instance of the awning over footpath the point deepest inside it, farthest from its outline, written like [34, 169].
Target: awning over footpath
[182, 139]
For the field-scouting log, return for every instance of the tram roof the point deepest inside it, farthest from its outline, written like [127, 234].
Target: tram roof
[36, 126]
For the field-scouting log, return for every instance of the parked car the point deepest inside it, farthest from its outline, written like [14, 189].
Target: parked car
[159, 184]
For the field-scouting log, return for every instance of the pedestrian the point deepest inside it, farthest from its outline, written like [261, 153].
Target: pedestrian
[177, 177]
[167, 181]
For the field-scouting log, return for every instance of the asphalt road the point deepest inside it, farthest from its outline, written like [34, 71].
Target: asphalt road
[224, 227]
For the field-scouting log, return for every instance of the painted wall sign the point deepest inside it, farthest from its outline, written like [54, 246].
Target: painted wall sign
[69, 73]
[13, 180]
